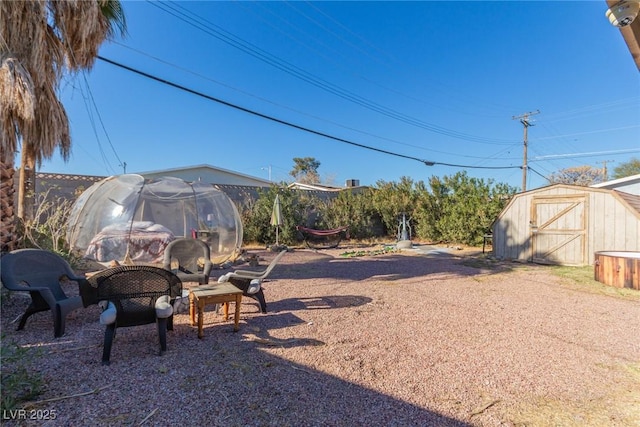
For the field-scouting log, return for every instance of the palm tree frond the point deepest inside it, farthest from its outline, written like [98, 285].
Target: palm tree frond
[16, 88]
[40, 40]
[50, 134]
[113, 12]
[18, 101]
[84, 26]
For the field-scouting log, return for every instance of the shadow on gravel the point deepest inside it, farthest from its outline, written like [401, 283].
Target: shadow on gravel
[297, 395]
[392, 266]
[228, 379]
[249, 378]
[319, 303]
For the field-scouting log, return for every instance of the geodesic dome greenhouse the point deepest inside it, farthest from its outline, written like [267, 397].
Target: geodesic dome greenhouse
[127, 218]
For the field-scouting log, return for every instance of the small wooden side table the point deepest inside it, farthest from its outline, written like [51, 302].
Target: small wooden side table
[220, 293]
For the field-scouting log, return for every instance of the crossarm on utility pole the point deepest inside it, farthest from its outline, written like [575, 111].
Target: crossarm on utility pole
[524, 119]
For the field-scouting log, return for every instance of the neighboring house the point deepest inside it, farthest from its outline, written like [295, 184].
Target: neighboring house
[567, 224]
[628, 184]
[239, 187]
[312, 187]
[236, 185]
[352, 184]
[209, 174]
[326, 192]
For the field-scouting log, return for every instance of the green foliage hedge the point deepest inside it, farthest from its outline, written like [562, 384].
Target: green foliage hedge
[451, 209]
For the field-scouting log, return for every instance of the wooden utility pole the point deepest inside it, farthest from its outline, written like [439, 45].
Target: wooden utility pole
[604, 168]
[524, 119]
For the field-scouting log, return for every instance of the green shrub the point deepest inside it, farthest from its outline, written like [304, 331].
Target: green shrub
[353, 210]
[256, 216]
[460, 209]
[455, 209]
[19, 383]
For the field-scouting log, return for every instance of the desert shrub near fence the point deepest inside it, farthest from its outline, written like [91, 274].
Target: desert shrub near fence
[460, 209]
[391, 199]
[452, 209]
[256, 216]
[354, 210]
[47, 228]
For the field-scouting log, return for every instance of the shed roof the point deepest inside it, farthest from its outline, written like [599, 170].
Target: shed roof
[632, 201]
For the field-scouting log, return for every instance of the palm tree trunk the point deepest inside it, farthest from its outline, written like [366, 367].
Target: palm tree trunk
[8, 238]
[26, 183]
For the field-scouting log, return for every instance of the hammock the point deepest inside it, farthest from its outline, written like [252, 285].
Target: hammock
[323, 239]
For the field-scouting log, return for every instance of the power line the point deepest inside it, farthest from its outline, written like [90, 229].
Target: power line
[588, 154]
[551, 165]
[286, 123]
[256, 113]
[104, 129]
[591, 109]
[451, 91]
[209, 79]
[538, 173]
[91, 119]
[217, 32]
[85, 99]
[587, 132]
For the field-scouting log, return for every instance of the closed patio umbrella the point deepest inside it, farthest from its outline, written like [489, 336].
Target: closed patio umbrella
[276, 215]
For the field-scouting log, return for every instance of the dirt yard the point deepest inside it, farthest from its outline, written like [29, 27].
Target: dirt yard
[360, 337]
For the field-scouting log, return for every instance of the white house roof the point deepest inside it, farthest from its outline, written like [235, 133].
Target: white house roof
[628, 184]
[194, 172]
[316, 187]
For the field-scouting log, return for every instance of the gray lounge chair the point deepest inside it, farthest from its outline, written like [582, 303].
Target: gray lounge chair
[250, 281]
[39, 272]
[193, 257]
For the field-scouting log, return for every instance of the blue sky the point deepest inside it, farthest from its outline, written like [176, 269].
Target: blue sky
[443, 82]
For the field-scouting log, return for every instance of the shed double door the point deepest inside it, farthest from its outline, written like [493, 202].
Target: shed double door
[559, 229]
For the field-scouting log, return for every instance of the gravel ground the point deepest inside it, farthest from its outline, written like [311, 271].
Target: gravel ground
[415, 338]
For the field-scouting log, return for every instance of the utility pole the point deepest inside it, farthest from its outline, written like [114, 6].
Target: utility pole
[269, 169]
[524, 119]
[604, 168]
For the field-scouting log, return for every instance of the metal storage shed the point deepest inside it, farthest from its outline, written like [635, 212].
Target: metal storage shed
[566, 224]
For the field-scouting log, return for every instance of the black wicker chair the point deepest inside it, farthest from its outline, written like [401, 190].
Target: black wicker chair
[39, 272]
[193, 259]
[131, 296]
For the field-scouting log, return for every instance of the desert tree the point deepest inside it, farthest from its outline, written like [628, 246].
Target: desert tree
[579, 175]
[305, 170]
[632, 167]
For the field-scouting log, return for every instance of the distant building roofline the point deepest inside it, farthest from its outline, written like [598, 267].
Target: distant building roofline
[625, 180]
[70, 176]
[205, 166]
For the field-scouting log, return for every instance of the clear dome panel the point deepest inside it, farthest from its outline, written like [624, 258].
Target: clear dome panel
[106, 203]
[126, 218]
[170, 202]
[218, 220]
